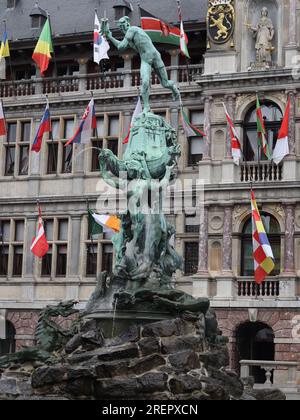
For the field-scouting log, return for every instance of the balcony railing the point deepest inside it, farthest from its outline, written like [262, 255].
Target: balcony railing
[261, 172]
[97, 81]
[269, 367]
[248, 288]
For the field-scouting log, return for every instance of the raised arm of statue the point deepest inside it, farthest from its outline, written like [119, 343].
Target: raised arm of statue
[120, 45]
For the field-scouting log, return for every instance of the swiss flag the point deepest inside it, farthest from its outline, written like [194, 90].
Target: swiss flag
[40, 246]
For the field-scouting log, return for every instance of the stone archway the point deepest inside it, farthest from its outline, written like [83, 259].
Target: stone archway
[255, 341]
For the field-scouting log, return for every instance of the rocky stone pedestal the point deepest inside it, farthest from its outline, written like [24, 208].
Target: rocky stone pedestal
[175, 359]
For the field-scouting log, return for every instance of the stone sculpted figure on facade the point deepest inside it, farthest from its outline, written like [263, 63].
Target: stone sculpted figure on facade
[264, 33]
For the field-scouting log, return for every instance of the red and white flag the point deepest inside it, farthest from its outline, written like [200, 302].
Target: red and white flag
[138, 110]
[235, 143]
[3, 131]
[282, 146]
[40, 246]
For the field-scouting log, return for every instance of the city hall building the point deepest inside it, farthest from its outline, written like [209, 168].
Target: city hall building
[232, 61]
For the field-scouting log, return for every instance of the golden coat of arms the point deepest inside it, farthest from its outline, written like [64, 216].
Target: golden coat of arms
[220, 20]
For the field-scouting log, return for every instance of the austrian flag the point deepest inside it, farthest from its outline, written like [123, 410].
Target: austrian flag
[262, 251]
[40, 246]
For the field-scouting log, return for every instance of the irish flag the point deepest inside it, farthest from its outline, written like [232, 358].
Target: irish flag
[40, 246]
[2, 121]
[261, 131]
[282, 146]
[109, 223]
[43, 49]
[158, 30]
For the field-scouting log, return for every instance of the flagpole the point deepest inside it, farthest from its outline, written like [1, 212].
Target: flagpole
[7, 136]
[51, 136]
[91, 233]
[54, 55]
[10, 64]
[186, 59]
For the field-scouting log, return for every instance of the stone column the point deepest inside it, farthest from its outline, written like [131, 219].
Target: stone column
[227, 240]
[292, 126]
[207, 126]
[293, 23]
[174, 65]
[75, 246]
[291, 49]
[230, 104]
[289, 256]
[127, 70]
[83, 72]
[203, 243]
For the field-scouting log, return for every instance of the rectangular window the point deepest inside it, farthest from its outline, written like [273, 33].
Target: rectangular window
[47, 263]
[4, 250]
[67, 159]
[18, 261]
[10, 160]
[113, 130]
[26, 132]
[97, 146]
[62, 254]
[24, 160]
[197, 118]
[196, 150]
[52, 158]
[113, 145]
[55, 129]
[63, 230]
[91, 260]
[107, 258]
[12, 133]
[192, 224]
[191, 254]
[100, 126]
[48, 226]
[68, 129]
[19, 231]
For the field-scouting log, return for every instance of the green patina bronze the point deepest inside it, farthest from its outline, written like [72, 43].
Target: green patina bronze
[145, 256]
[50, 337]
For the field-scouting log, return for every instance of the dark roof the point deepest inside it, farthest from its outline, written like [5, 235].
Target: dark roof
[77, 16]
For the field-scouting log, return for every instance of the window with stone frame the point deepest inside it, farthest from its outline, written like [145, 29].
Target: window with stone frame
[17, 146]
[272, 115]
[107, 136]
[99, 253]
[55, 262]
[38, 21]
[11, 247]
[196, 144]
[60, 158]
[273, 231]
[191, 258]
[8, 345]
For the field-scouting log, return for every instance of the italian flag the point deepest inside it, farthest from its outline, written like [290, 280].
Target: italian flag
[189, 129]
[261, 130]
[2, 121]
[43, 49]
[282, 146]
[158, 30]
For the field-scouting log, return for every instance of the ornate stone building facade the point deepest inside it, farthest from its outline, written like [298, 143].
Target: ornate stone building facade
[217, 248]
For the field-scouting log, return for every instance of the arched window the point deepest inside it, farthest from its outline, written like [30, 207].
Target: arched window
[272, 115]
[274, 234]
[9, 344]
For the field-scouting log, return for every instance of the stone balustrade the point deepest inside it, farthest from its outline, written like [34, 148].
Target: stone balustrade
[248, 288]
[97, 81]
[269, 367]
[261, 172]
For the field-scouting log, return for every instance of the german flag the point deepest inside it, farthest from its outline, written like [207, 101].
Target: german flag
[43, 49]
